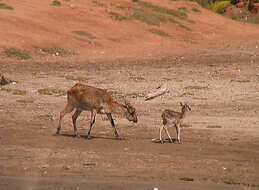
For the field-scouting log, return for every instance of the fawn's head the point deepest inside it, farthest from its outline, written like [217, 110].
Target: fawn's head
[185, 107]
[131, 114]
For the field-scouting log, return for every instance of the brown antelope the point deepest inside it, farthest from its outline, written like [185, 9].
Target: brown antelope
[173, 118]
[83, 97]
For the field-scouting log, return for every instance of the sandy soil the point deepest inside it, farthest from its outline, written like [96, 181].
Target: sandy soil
[208, 156]
[215, 68]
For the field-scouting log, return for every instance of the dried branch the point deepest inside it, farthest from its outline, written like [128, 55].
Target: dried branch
[161, 90]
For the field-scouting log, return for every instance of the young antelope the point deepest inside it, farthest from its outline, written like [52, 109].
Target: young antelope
[173, 118]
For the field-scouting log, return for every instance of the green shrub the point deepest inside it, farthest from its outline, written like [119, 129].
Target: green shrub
[220, 6]
[56, 3]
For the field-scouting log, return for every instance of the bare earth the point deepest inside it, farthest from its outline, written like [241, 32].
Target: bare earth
[218, 76]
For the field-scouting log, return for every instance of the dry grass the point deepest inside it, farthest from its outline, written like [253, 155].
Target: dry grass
[25, 100]
[78, 78]
[214, 126]
[196, 87]
[52, 91]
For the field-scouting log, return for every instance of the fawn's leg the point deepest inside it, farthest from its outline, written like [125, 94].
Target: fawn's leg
[93, 116]
[160, 133]
[69, 108]
[109, 115]
[178, 132]
[170, 139]
[74, 118]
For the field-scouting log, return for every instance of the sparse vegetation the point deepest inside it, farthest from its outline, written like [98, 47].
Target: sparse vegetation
[186, 94]
[80, 79]
[117, 16]
[191, 41]
[17, 53]
[244, 17]
[57, 51]
[241, 80]
[162, 10]
[196, 87]
[5, 6]
[14, 91]
[56, 3]
[214, 126]
[116, 94]
[135, 95]
[84, 33]
[148, 17]
[196, 10]
[98, 3]
[25, 100]
[184, 9]
[5, 89]
[184, 125]
[159, 32]
[19, 92]
[137, 78]
[52, 91]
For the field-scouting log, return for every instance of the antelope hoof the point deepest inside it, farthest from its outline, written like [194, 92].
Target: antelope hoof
[119, 138]
[171, 140]
[77, 136]
[180, 142]
[161, 141]
[89, 137]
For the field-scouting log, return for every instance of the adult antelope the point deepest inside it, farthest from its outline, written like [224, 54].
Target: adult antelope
[97, 101]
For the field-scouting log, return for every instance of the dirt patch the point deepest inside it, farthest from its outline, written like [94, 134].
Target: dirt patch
[225, 155]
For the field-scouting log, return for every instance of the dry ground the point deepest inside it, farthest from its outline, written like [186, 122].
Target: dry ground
[212, 63]
[225, 95]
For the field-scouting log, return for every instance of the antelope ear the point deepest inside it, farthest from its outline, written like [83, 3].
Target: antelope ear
[181, 104]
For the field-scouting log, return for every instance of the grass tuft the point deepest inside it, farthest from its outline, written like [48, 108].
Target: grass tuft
[25, 101]
[117, 16]
[17, 53]
[137, 78]
[186, 94]
[241, 80]
[163, 10]
[19, 92]
[196, 87]
[52, 91]
[159, 32]
[148, 17]
[80, 79]
[56, 3]
[186, 125]
[196, 10]
[214, 126]
[5, 6]
[135, 95]
[57, 51]
[83, 33]
[14, 91]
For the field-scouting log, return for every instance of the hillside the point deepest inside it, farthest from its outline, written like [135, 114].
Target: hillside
[116, 28]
